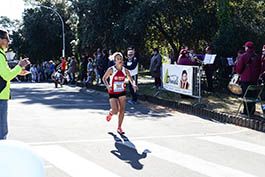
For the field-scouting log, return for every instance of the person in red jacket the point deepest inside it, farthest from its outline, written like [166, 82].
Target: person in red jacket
[63, 65]
[248, 66]
[262, 73]
[185, 59]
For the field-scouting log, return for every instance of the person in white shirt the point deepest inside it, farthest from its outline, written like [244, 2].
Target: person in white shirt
[132, 65]
[34, 73]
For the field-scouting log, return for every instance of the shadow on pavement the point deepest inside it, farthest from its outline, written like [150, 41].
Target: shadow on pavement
[126, 151]
[67, 99]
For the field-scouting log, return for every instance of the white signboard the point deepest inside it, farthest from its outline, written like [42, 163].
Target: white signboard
[209, 59]
[230, 61]
[178, 78]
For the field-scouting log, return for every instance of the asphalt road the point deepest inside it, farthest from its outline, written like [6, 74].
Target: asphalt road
[68, 130]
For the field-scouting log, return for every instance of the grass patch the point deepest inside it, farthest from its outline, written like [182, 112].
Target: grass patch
[220, 101]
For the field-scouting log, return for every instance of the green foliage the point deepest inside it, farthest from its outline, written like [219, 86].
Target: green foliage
[8, 24]
[118, 24]
[247, 24]
[40, 36]
[144, 24]
[223, 12]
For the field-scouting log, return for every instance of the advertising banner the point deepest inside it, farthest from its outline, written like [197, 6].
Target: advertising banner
[178, 78]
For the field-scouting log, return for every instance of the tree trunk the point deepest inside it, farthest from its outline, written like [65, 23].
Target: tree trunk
[169, 39]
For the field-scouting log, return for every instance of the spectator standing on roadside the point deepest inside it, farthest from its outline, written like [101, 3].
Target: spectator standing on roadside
[89, 71]
[46, 70]
[185, 59]
[84, 63]
[52, 68]
[132, 65]
[248, 66]
[155, 68]
[99, 66]
[63, 65]
[6, 75]
[34, 73]
[95, 67]
[39, 70]
[111, 60]
[72, 69]
[105, 60]
[239, 53]
[181, 51]
[209, 70]
[262, 73]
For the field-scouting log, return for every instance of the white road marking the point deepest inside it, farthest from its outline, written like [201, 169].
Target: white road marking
[71, 163]
[138, 138]
[192, 163]
[236, 144]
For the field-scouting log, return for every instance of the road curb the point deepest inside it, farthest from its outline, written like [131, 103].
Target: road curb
[255, 124]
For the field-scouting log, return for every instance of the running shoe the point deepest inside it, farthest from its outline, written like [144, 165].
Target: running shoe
[119, 130]
[109, 117]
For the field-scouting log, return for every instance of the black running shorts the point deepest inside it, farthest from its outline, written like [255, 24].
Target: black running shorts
[117, 95]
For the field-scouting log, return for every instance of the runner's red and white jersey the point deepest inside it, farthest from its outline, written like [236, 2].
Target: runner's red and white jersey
[117, 80]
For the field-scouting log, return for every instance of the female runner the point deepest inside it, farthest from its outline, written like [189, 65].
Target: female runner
[116, 88]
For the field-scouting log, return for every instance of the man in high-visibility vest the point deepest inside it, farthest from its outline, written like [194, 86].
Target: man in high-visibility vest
[6, 75]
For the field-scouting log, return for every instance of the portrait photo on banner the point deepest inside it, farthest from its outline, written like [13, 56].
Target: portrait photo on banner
[178, 78]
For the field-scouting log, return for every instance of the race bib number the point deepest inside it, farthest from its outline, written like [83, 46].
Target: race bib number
[118, 86]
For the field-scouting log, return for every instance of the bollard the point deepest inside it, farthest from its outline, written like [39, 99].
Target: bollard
[216, 116]
[221, 117]
[243, 122]
[229, 119]
[177, 105]
[256, 125]
[263, 127]
[210, 114]
[202, 112]
[240, 122]
[260, 125]
[207, 113]
[251, 124]
[247, 123]
[224, 118]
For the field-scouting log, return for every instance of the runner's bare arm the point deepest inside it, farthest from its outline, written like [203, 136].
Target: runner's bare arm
[106, 76]
[131, 80]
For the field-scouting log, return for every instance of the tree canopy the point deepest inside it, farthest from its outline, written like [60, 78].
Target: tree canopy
[118, 24]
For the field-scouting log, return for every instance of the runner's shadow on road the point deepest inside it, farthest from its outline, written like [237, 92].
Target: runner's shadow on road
[126, 151]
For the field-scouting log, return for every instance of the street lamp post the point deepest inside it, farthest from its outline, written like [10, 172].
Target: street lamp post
[63, 51]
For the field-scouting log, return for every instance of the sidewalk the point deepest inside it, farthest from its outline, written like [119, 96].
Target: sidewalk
[219, 102]
[220, 107]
